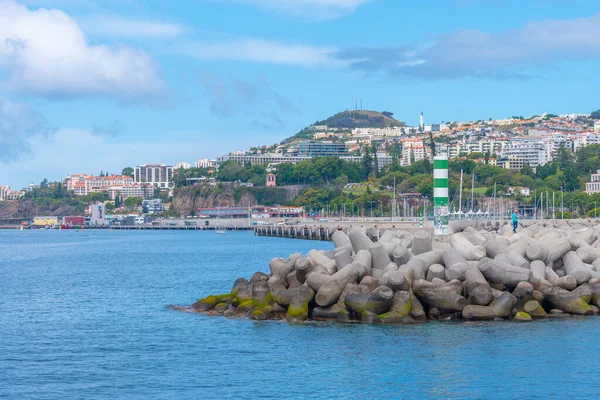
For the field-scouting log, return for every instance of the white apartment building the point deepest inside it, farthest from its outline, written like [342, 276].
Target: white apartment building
[183, 165]
[140, 190]
[593, 186]
[379, 132]
[4, 192]
[413, 150]
[532, 151]
[481, 146]
[158, 175]
[597, 127]
[383, 160]
[205, 163]
[7, 194]
[82, 185]
[585, 139]
[413, 154]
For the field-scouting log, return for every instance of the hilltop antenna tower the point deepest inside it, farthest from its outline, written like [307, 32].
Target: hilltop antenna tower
[361, 107]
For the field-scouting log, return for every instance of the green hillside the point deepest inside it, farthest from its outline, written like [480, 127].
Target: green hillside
[352, 119]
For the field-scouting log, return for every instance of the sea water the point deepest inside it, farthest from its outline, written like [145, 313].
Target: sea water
[83, 316]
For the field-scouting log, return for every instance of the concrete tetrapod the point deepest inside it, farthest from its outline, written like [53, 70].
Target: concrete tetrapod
[284, 297]
[436, 271]
[477, 287]
[298, 309]
[303, 268]
[566, 282]
[468, 250]
[575, 267]
[421, 263]
[330, 291]
[316, 279]
[505, 274]
[359, 240]
[363, 257]
[588, 254]
[523, 293]
[455, 263]
[401, 255]
[343, 257]
[341, 240]
[549, 251]
[376, 302]
[441, 297]
[538, 272]
[280, 268]
[339, 309]
[421, 242]
[380, 258]
[495, 247]
[321, 262]
[566, 301]
[501, 307]
[399, 311]
[534, 309]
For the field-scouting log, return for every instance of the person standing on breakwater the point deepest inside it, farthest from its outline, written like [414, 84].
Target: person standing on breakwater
[514, 220]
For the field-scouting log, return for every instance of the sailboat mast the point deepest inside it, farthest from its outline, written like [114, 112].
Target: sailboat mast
[472, 192]
[460, 191]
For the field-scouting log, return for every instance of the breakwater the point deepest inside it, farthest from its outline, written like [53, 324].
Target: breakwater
[546, 270]
[325, 231]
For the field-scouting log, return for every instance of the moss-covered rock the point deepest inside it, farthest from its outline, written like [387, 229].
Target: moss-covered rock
[221, 307]
[522, 316]
[206, 303]
[298, 310]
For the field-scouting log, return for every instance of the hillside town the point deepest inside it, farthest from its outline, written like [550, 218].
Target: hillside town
[515, 144]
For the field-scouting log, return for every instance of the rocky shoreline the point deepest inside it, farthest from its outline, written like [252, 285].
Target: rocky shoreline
[547, 269]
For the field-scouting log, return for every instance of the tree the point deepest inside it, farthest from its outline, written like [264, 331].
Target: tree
[132, 202]
[314, 198]
[367, 163]
[375, 160]
[387, 114]
[44, 183]
[127, 171]
[564, 157]
[595, 114]
[118, 200]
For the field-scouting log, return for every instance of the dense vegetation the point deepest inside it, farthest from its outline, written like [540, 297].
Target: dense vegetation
[327, 177]
[351, 119]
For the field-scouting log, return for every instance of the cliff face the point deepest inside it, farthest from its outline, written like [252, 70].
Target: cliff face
[8, 208]
[187, 199]
[30, 208]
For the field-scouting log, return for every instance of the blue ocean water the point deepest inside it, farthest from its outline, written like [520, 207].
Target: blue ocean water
[83, 315]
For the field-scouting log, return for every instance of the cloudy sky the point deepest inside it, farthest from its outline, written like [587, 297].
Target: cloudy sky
[90, 85]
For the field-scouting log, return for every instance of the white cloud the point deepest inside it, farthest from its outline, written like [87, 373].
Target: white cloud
[44, 52]
[257, 50]
[115, 26]
[19, 124]
[312, 9]
[502, 55]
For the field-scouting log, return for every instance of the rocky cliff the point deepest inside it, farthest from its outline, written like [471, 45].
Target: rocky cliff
[188, 199]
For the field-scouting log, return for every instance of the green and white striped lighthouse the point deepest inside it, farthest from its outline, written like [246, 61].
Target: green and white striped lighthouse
[440, 194]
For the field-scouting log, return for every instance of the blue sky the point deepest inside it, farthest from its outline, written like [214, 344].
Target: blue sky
[87, 85]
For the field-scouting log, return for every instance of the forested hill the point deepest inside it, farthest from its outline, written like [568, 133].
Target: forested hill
[352, 119]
